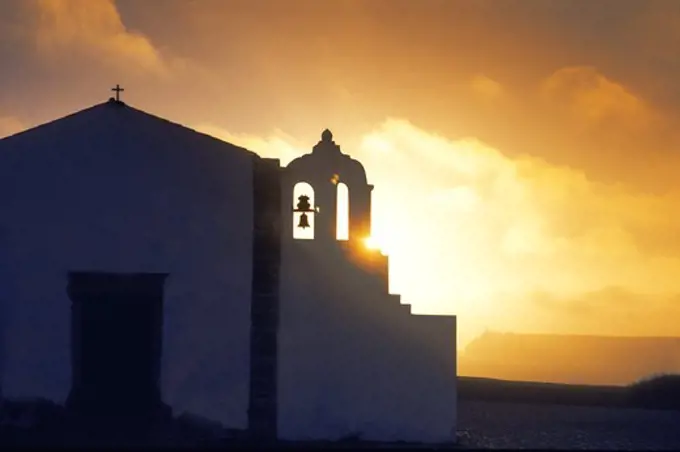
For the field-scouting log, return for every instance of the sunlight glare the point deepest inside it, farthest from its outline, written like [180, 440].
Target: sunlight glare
[371, 243]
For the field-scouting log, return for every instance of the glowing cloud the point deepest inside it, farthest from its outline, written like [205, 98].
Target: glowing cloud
[486, 87]
[594, 99]
[474, 232]
[278, 146]
[93, 28]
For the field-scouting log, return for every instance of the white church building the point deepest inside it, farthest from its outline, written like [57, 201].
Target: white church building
[142, 261]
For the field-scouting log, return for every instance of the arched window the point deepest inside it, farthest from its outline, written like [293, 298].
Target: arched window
[342, 225]
[302, 189]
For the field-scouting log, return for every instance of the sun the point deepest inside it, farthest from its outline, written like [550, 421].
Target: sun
[371, 243]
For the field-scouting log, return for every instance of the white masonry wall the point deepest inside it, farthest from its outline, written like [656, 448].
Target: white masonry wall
[353, 362]
[120, 191]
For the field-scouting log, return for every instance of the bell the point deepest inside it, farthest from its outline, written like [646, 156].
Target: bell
[304, 221]
[303, 204]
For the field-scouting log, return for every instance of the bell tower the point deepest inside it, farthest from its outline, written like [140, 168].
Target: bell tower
[337, 312]
[310, 194]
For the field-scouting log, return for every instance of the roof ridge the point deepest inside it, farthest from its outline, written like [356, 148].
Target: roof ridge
[122, 105]
[177, 124]
[45, 124]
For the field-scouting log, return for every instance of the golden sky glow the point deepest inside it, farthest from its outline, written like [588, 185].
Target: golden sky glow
[525, 153]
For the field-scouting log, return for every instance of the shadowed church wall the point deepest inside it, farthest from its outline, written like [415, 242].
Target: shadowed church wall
[354, 362]
[5, 294]
[138, 196]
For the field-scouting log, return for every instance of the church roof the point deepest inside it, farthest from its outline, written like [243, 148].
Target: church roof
[109, 122]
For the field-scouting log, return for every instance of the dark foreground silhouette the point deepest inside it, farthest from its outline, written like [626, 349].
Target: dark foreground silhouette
[661, 393]
[44, 423]
[41, 422]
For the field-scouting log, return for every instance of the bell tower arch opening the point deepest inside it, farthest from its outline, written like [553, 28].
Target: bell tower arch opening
[342, 217]
[338, 195]
[304, 211]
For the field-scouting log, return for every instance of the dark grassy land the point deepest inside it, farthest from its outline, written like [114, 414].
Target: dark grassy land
[491, 390]
[661, 392]
[49, 424]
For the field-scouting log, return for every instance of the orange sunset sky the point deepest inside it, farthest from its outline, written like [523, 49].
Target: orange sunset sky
[525, 153]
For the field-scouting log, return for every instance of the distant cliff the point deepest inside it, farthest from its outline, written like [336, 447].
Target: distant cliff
[598, 360]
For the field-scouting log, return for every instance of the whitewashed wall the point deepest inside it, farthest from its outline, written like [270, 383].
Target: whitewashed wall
[352, 361]
[116, 190]
[5, 291]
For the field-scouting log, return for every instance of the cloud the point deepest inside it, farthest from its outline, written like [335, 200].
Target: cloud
[93, 29]
[483, 224]
[485, 87]
[492, 233]
[10, 126]
[595, 100]
[609, 311]
[278, 146]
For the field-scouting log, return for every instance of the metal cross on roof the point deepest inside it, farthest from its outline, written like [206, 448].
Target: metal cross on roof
[118, 90]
